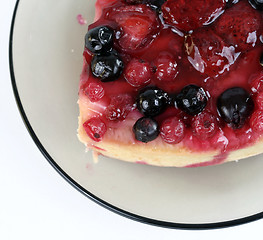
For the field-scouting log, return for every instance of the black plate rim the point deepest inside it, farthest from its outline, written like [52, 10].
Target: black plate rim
[132, 216]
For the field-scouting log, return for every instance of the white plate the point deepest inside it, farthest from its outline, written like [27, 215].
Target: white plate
[46, 60]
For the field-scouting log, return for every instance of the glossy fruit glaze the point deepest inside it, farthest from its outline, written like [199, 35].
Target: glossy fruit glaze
[173, 56]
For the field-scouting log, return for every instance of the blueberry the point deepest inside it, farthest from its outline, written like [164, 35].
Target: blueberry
[152, 101]
[146, 130]
[99, 39]
[156, 4]
[235, 105]
[192, 99]
[107, 67]
[257, 4]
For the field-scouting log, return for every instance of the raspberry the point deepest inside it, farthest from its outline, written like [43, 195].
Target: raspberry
[138, 73]
[256, 121]
[137, 25]
[208, 53]
[186, 15]
[166, 67]
[172, 130]
[120, 106]
[95, 128]
[204, 125]
[240, 25]
[259, 100]
[94, 91]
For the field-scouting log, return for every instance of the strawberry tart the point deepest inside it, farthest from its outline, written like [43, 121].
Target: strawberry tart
[173, 83]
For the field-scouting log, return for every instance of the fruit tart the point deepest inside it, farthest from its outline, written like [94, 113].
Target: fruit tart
[173, 83]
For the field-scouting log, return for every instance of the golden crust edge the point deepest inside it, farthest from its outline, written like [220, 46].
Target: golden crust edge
[162, 156]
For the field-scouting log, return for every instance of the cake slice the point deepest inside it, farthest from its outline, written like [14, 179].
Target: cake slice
[167, 87]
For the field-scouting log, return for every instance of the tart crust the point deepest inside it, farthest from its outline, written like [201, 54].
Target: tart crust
[158, 154]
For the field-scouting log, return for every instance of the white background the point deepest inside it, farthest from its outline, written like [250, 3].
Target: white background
[37, 203]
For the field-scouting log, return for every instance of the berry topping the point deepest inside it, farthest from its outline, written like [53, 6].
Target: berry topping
[137, 25]
[156, 4]
[94, 91]
[261, 60]
[259, 100]
[152, 101]
[257, 83]
[235, 105]
[166, 67]
[172, 130]
[146, 130]
[107, 67]
[187, 16]
[95, 128]
[138, 73]
[256, 121]
[120, 106]
[192, 99]
[99, 39]
[240, 26]
[134, 1]
[204, 125]
[208, 53]
[257, 4]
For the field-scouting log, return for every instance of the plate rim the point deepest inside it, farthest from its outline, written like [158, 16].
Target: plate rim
[85, 192]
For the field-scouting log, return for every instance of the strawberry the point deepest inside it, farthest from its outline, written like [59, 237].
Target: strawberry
[137, 25]
[208, 53]
[240, 26]
[189, 15]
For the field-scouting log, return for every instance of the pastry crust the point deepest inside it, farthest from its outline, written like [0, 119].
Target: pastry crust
[157, 153]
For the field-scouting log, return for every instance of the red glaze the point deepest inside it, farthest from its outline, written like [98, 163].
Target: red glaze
[188, 16]
[225, 67]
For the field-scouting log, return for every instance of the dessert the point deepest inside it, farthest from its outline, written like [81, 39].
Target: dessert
[173, 83]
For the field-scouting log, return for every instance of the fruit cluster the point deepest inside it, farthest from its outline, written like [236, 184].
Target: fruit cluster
[215, 34]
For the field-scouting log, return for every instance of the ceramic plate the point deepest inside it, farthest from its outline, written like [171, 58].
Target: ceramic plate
[46, 47]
